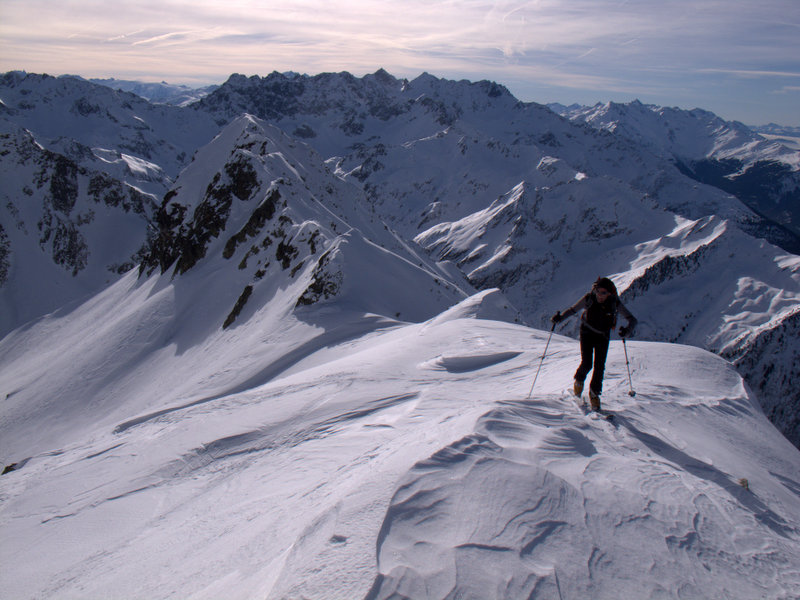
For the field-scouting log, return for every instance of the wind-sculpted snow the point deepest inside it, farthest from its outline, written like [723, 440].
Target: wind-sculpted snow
[381, 460]
[614, 495]
[465, 364]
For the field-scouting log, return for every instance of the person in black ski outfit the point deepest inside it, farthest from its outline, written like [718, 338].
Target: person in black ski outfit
[600, 307]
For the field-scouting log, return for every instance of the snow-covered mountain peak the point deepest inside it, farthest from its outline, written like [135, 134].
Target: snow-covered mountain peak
[762, 173]
[67, 228]
[473, 95]
[246, 141]
[65, 111]
[266, 209]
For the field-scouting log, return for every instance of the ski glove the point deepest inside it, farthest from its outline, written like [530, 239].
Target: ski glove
[556, 318]
[625, 332]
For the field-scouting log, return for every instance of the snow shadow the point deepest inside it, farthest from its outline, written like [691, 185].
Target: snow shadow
[330, 337]
[709, 472]
[789, 484]
[275, 436]
[524, 421]
[466, 364]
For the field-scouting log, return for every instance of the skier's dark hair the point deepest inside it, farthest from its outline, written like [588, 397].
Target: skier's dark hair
[606, 284]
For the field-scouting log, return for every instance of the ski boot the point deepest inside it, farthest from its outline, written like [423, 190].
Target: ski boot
[594, 400]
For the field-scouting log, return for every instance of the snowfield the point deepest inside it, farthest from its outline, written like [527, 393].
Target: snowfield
[377, 459]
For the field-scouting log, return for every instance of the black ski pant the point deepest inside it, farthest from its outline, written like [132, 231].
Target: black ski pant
[594, 349]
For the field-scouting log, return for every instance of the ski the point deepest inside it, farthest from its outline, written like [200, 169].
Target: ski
[584, 408]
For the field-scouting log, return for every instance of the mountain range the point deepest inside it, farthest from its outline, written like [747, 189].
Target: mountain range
[329, 294]
[511, 194]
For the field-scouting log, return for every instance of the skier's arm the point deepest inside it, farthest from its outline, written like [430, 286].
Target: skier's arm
[628, 330]
[579, 305]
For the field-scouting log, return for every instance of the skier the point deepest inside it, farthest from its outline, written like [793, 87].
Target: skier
[600, 307]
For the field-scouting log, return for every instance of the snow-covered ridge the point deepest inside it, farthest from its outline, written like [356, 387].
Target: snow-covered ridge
[67, 228]
[689, 135]
[65, 111]
[159, 93]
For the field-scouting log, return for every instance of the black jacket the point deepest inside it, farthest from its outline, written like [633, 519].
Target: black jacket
[600, 317]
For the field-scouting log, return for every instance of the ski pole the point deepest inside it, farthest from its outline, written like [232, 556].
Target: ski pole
[631, 393]
[546, 346]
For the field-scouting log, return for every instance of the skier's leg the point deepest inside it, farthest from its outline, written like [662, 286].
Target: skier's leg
[586, 356]
[600, 354]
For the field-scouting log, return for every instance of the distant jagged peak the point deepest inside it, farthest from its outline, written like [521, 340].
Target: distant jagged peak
[385, 78]
[460, 91]
[381, 76]
[278, 95]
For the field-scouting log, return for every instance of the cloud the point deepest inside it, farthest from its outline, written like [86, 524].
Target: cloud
[552, 32]
[752, 74]
[788, 89]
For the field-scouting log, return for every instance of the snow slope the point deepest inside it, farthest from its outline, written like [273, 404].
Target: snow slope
[83, 169]
[281, 404]
[339, 432]
[701, 282]
[377, 459]
[66, 229]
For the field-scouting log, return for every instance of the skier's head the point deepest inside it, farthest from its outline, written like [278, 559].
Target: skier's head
[604, 288]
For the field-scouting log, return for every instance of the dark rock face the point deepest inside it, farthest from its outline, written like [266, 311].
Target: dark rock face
[184, 239]
[5, 251]
[325, 283]
[237, 309]
[771, 366]
[769, 188]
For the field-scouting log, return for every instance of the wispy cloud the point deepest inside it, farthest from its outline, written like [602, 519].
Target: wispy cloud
[751, 73]
[788, 89]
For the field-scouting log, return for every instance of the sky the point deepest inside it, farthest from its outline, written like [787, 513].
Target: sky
[737, 58]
